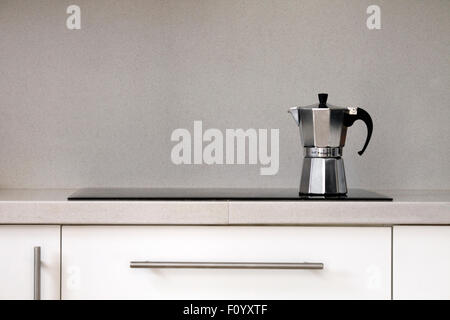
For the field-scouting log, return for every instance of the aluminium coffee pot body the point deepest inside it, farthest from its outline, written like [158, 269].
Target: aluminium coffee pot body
[323, 130]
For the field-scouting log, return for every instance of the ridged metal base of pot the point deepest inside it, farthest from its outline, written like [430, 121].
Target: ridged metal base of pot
[323, 176]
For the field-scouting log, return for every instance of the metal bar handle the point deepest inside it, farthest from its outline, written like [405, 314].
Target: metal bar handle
[37, 273]
[225, 265]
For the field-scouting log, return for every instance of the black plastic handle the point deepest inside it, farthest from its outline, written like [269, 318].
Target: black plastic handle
[363, 115]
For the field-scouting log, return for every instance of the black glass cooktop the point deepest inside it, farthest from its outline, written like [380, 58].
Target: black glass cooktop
[149, 194]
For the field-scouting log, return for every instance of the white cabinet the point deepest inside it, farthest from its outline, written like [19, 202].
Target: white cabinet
[421, 262]
[96, 262]
[17, 261]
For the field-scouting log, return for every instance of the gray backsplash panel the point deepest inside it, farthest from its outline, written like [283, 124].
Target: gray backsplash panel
[96, 107]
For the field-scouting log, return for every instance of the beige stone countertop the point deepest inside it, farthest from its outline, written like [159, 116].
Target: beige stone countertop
[49, 206]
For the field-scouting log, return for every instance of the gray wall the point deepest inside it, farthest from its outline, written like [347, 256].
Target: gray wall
[96, 107]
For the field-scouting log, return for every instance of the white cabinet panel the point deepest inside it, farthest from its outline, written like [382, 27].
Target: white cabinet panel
[96, 262]
[421, 262]
[17, 261]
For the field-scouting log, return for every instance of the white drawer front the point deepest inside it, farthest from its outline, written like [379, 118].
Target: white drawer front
[96, 262]
[421, 262]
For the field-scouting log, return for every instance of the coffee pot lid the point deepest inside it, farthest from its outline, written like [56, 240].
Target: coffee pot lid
[323, 97]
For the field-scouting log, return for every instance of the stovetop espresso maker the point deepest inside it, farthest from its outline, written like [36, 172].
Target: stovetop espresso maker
[323, 129]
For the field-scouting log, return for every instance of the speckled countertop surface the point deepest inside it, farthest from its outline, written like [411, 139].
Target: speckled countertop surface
[49, 206]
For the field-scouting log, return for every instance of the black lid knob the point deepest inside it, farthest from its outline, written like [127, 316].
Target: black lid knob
[323, 100]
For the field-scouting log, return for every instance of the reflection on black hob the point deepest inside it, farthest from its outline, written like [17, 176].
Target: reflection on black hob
[237, 194]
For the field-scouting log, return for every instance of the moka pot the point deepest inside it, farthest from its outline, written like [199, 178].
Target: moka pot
[323, 130]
